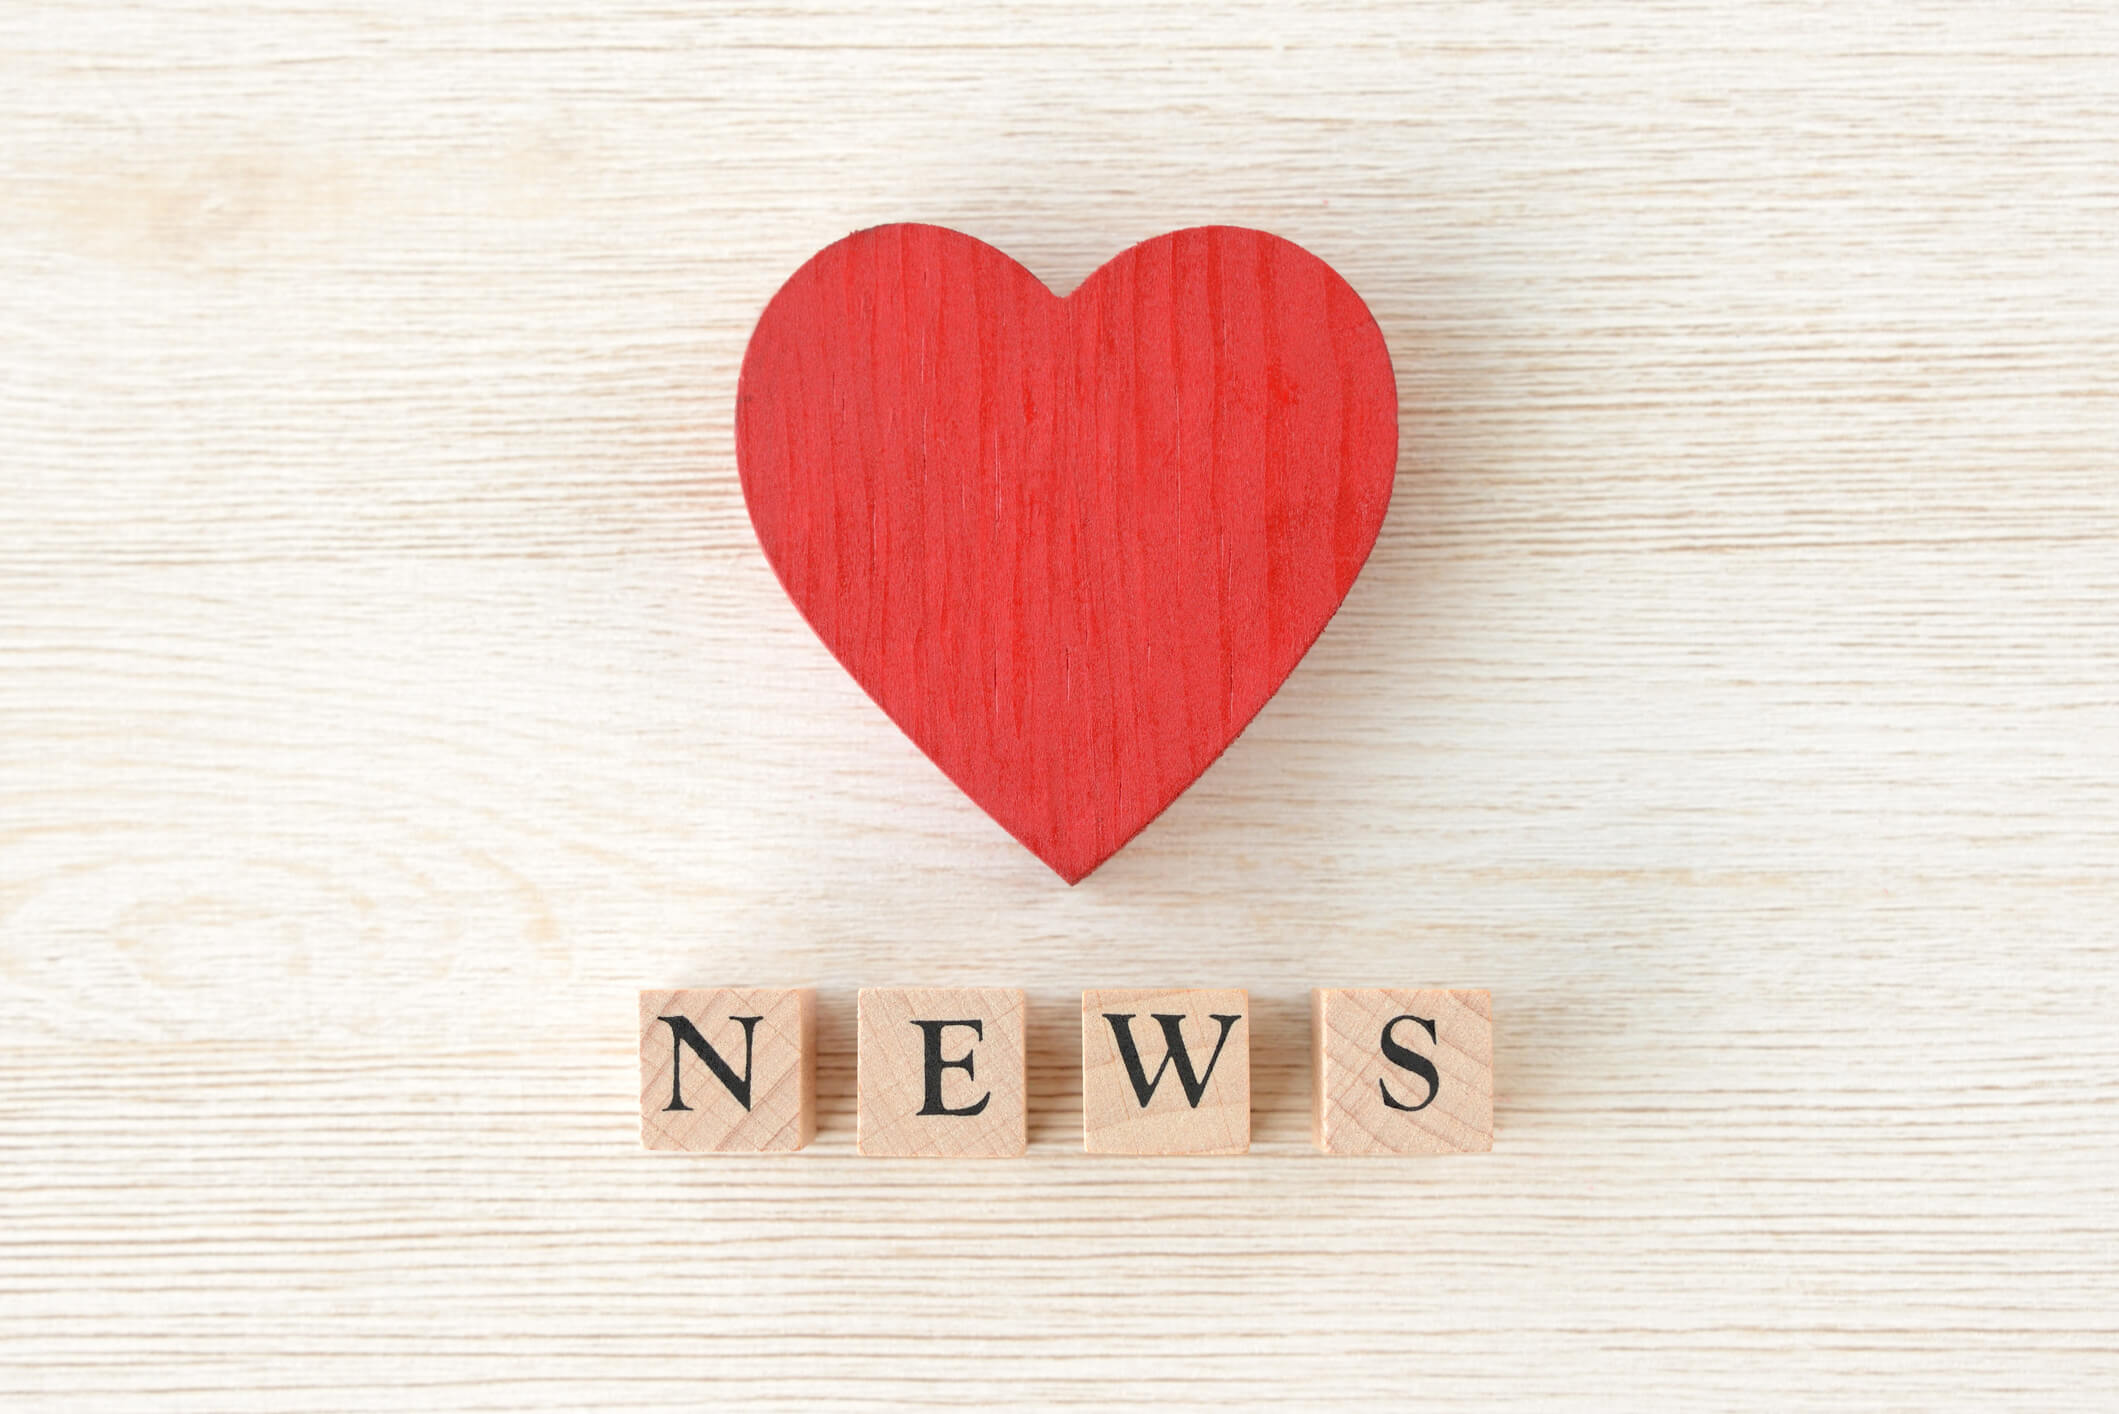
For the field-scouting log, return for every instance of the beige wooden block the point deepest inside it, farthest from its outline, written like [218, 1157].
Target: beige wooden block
[1166, 1072]
[728, 1070]
[943, 1073]
[1402, 1071]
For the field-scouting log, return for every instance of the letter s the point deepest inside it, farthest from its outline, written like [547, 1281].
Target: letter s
[1410, 1060]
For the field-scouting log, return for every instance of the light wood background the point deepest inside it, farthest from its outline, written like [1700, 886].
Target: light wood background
[390, 686]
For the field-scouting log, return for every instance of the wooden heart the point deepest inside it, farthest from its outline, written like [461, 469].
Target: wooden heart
[1071, 546]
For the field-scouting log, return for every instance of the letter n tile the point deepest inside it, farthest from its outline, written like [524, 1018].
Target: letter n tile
[728, 1070]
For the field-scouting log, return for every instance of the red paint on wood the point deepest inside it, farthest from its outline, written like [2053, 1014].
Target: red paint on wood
[1071, 546]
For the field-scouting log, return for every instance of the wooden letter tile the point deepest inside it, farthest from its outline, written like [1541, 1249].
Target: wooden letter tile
[1166, 1072]
[942, 1072]
[1403, 1072]
[728, 1070]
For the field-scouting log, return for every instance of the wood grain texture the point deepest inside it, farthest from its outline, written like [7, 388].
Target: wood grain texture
[391, 686]
[943, 1073]
[1069, 545]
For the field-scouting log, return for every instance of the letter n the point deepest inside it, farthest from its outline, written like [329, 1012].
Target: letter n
[683, 1033]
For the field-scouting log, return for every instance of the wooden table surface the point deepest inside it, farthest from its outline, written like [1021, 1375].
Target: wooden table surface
[390, 686]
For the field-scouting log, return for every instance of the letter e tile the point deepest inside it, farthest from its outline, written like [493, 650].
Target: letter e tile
[942, 1072]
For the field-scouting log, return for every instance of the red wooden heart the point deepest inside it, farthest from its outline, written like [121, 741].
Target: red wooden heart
[1071, 546]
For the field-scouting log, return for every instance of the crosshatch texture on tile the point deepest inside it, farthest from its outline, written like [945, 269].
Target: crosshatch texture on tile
[758, 1093]
[1383, 1085]
[1156, 1098]
[943, 1072]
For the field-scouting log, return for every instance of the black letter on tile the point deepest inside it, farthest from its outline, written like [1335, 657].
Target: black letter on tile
[1174, 1043]
[1408, 1060]
[935, 1065]
[682, 1034]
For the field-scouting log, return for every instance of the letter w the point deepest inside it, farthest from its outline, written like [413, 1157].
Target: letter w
[1174, 1044]
[682, 1034]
